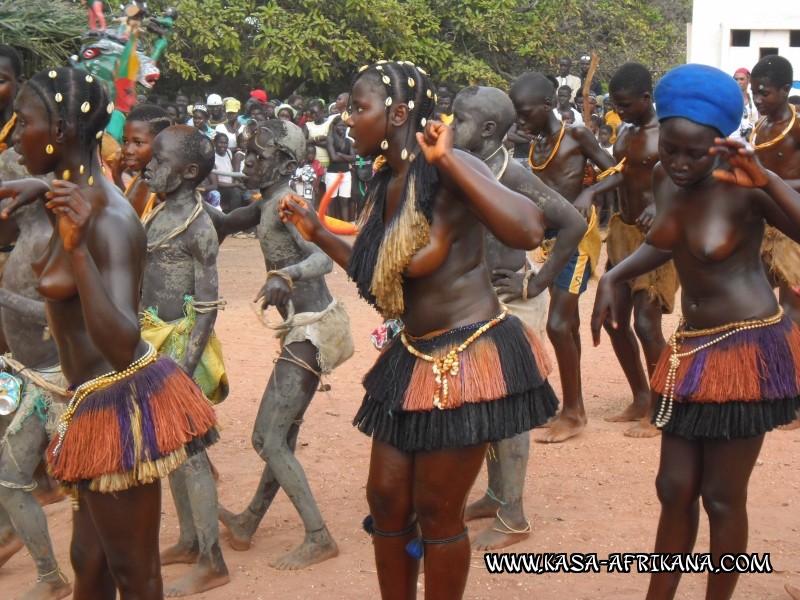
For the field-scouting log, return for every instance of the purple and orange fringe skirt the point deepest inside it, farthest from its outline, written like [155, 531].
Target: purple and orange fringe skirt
[742, 386]
[500, 390]
[134, 432]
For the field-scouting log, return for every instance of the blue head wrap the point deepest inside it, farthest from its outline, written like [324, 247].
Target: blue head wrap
[701, 94]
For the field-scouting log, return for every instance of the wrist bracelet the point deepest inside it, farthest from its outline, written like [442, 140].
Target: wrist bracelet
[282, 275]
[525, 281]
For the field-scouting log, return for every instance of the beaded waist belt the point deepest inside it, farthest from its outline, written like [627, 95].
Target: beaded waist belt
[99, 383]
[448, 364]
[724, 331]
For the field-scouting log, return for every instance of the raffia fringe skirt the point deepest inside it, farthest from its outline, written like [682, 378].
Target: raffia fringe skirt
[134, 432]
[501, 390]
[740, 387]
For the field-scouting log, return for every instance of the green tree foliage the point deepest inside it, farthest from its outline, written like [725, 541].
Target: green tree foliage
[46, 32]
[316, 46]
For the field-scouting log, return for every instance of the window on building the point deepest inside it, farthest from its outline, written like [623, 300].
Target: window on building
[794, 38]
[762, 52]
[740, 37]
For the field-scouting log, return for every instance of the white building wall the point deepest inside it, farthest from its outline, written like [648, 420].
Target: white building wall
[769, 22]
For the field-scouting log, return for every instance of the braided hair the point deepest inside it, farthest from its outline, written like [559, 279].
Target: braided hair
[406, 83]
[78, 100]
[381, 254]
[156, 116]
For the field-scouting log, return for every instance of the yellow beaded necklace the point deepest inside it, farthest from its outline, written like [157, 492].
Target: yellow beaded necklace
[727, 330]
[98, 383]
[552, 154]
[448, 364]
[776, 139]
[4, 132]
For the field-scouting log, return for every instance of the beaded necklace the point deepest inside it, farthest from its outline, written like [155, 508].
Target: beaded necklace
[448, 364]
[98, 383]
[727, 330]
[552, 154]
[5, 130]
[776, 139]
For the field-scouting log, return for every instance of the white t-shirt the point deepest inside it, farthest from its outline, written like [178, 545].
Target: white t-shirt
[231, 136]
[224, 163]
[575, 113]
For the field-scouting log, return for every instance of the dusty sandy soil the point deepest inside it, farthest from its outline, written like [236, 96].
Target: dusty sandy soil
[594, 493]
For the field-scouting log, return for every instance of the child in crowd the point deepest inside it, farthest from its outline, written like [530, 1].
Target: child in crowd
[229, 189]
[308, 175]
[604, 133]
[342, 157]
[142, 125]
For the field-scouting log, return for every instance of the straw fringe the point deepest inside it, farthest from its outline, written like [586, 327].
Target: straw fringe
[135, 431]
[750, 366]
[406, 234]
[743, 386]
[500, 390]
[661, 284]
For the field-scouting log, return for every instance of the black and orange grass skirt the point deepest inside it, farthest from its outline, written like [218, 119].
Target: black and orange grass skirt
[501, 390]
[742, 386]
[134, 432]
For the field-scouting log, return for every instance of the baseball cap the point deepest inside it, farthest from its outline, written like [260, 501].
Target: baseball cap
[232, 105]
[259, 95]
[214, 100]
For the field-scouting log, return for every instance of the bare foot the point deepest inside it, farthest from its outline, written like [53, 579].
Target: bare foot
[199, 579]
[562, 429]
[481, 509]
[794, 593]
[633, 412]
[9, 550]
[500, 535]
[643, 429]
[547, 424]
[49, 590]
[180, 553]
[239, 536]
[790, 426]
[316, 547]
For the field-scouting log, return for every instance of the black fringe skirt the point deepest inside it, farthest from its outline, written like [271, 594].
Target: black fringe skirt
[742, 386]
[500, 390]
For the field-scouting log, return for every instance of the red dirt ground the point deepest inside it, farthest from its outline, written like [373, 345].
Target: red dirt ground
[591, 494]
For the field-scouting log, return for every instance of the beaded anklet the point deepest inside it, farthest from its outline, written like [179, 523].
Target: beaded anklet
[448, 364]
[727, 330]
[103, 381]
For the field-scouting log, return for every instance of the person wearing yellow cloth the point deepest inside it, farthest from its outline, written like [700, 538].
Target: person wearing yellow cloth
[558, 156]
[180, 299]
[172, 339]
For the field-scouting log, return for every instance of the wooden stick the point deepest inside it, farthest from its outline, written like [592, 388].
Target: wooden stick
[587, 87]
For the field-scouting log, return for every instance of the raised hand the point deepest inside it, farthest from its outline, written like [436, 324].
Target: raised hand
[745, 169]
[72, 211]
[436, 141]
[295, 210]
[21, 192]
